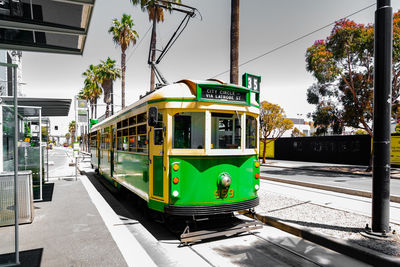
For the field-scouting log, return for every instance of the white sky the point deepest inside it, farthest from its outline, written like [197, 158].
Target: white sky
[202, 51]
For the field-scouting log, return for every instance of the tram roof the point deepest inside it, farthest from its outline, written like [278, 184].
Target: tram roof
[183, 90]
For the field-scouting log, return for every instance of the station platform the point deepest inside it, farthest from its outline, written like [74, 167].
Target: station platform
[68, 229]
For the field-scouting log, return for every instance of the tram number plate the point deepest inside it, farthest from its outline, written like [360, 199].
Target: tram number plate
[224, 193]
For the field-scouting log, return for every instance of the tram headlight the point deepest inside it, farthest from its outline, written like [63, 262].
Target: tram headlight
[256, 187]
[175, 193]
[175, 167]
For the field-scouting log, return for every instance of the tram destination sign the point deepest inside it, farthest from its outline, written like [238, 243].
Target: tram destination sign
[223, 95]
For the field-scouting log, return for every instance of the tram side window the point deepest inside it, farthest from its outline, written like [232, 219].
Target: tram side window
[225, 131]
[251, 132]
[93, 139]
[158, 130]
[189, 130]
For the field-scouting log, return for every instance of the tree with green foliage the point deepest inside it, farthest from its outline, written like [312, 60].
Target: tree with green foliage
[156, 14]
[123, 35]
[67, 137]
[27, 130]
[91, 90]
[273, 123]
[107, 73]
[343, 67]
[72, 130]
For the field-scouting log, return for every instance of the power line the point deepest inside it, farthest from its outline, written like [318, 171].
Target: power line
[295, 40]
[133, 51]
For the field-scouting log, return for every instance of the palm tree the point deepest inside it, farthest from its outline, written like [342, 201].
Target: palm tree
[156, 14]
[123, 35]
[67, 136]
[92, 86]
[86, 94]
[107, 73]
[72, 130]
[234, 72]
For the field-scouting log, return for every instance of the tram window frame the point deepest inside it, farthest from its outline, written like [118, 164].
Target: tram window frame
[141, 143]
[141, 118]
[189, 134]
[132, 120]
[251, 134]
[141, 129]
[158, 130]
[132, 148]
[119, 143]
[131, 129]
[232, 125]
[119, 124]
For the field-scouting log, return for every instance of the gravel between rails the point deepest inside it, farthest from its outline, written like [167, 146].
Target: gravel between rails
[331, 222]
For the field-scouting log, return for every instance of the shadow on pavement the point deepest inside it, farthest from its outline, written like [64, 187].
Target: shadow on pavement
[28, 258]
[129, 207]
[47, 193]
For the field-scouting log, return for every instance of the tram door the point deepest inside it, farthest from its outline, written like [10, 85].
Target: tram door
[156, 159]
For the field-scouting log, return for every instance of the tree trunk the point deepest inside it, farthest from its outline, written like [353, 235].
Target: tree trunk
[95, 108]
[123, 80]
[153, 52]
[234, 72]
[107, 110]
[264, 150]
[91, 110]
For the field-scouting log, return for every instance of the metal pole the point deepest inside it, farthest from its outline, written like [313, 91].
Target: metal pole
[76, 120]
[382, 115]
[48, 137]
[112, 97]
[16, 131]
[40, 156]
[76, 165]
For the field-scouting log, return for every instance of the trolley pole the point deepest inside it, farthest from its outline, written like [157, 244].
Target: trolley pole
[382, 115]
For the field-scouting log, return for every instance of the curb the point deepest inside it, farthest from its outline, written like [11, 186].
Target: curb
[341, 246]
[393, 198]
[320, 170]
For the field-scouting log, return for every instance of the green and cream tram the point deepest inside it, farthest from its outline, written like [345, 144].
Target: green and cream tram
[189, 148]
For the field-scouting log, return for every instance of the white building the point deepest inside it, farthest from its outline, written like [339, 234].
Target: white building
[305, 127]
[6, 74]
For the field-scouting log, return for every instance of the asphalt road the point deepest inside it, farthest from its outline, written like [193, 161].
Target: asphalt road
[357, 182]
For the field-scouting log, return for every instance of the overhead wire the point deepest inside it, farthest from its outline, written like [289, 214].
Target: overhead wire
[295, 40]
[141, 40]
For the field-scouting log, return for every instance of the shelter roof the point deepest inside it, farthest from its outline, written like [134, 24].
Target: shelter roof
[57, 26]
[50, 106]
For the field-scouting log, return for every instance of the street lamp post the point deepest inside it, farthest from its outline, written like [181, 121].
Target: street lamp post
[382, 115]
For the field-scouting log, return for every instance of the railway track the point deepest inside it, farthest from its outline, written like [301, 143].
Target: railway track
[265, 253]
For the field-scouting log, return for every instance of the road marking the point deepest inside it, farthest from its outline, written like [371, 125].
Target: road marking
[131, 250]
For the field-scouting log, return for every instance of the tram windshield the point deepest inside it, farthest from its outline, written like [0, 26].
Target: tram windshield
[189, 130]
[225, 131]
